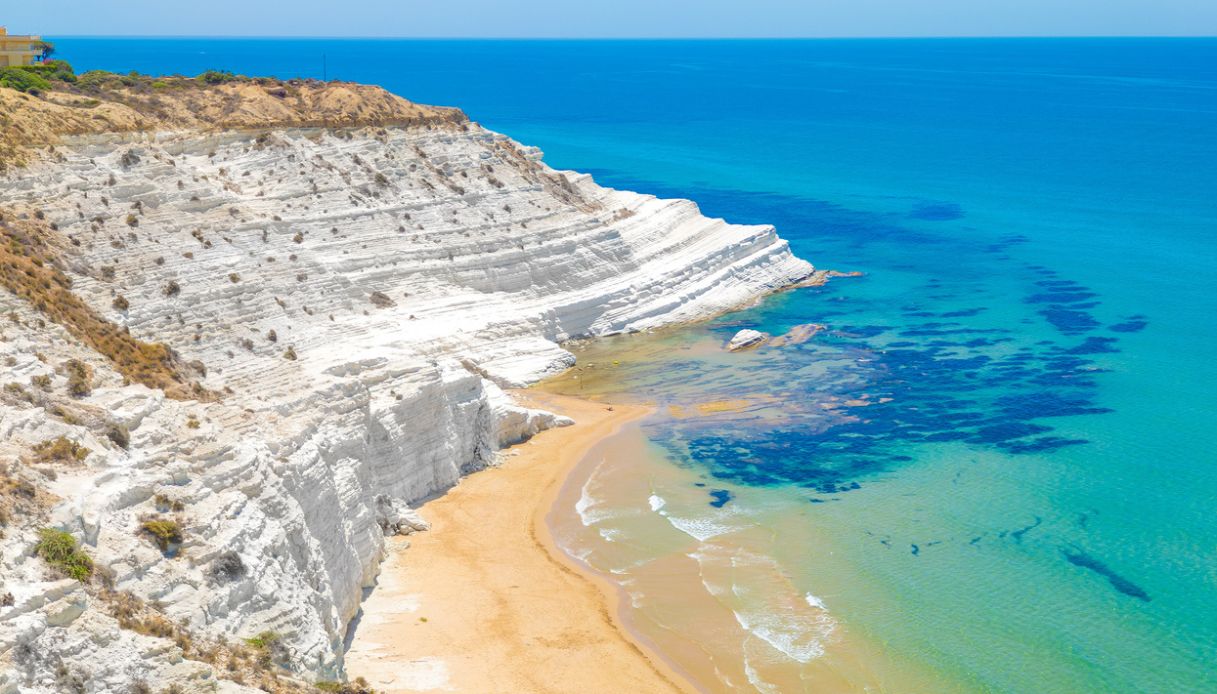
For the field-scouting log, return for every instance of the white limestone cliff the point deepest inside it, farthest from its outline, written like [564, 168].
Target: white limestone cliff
[413, 273]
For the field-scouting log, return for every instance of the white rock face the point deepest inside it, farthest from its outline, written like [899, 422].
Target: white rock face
[746, 339]
[414, 273]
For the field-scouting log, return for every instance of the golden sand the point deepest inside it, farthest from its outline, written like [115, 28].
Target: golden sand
[485, 602]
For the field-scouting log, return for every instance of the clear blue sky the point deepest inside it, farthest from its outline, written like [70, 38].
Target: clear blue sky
[612, 18]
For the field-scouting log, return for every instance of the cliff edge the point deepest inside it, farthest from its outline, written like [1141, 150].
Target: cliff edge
[247, 324]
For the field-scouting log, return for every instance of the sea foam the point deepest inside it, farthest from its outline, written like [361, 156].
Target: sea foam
[657, 502]
[764, 602]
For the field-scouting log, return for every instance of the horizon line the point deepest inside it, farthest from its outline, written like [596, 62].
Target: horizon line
[945, 37]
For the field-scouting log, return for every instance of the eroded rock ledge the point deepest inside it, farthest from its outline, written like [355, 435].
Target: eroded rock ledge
[356, 298]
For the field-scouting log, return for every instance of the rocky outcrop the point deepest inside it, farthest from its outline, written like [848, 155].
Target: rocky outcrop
[746, 339]
[356, 300]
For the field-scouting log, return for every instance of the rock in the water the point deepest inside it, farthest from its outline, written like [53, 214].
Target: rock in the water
[747, 339]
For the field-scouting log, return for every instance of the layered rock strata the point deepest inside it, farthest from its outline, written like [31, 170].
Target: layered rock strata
[352, 302]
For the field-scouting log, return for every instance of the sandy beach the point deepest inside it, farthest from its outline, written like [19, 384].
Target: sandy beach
[485, 601]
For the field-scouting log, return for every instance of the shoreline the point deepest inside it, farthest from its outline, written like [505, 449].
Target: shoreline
[487, 601]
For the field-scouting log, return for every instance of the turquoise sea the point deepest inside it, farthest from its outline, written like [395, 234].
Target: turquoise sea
[996, 459]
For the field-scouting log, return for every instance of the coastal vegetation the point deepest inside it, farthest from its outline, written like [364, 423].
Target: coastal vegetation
[60, 450]
[62, 552]
[30, 269]
[41, 103]
[165, 503]
[260, 662]
[80, 377]
[164, 533]
[357, 686]
[36, 79]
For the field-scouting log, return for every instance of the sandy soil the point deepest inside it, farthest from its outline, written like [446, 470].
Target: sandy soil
[484, 602]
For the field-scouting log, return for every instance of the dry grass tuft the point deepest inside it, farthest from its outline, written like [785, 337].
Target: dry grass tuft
[60, 450]
[80, 377]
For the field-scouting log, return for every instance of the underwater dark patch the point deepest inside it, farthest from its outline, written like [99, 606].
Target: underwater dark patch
[923, 366]
[1063, 297]
[1037, 404]
[1069, 321]
[964, 313]
[719, 497]
[1117, 581]
[1095, 345]
[1131, 324]
[1044, 444]
[1018, 534]
[936, 212]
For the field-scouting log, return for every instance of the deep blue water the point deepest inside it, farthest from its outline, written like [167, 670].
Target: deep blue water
[1037, 221]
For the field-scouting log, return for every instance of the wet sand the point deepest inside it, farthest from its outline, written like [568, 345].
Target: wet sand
[485, 601]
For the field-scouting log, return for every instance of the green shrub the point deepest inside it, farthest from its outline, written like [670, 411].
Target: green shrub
[23, 80]
[263, 641]
[163, 532]
[94, 80]
[56, 70]
[59, 549]
[216, 77]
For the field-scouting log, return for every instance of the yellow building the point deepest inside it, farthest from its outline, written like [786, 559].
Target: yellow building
[18, 50]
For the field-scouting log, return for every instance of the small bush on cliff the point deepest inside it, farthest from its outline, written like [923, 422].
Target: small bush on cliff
[59, 549]
[164, 533]
[60, 450]
[80, 377]
[268, 647]
[380, 299]
[227, 567]
[263, 640]
[165, 503]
